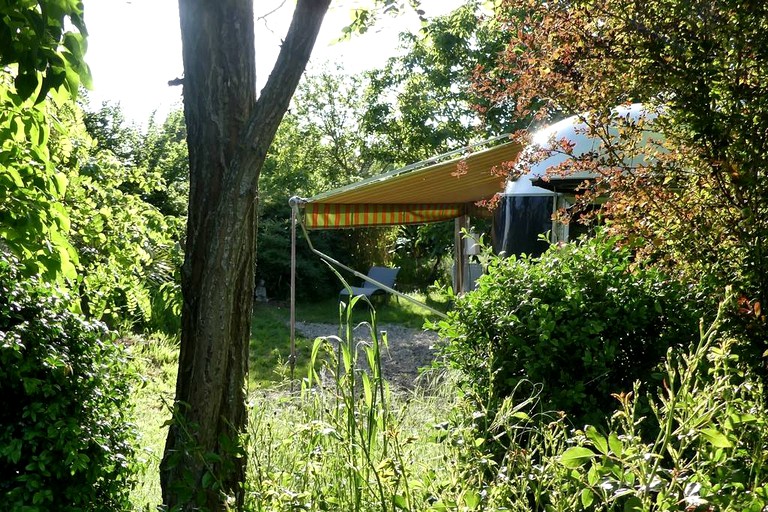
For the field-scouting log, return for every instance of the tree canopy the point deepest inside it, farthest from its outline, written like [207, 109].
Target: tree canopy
[45, 42]
[421, 102]
[701, 66]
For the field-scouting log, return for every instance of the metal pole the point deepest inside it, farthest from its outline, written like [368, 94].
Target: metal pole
[292, 359]
[460, 224]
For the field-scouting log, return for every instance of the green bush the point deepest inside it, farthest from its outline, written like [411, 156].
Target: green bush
[65, 439]
[709, 451]
[341, 444]
[581, 319]
[313, 277]
[421, 252]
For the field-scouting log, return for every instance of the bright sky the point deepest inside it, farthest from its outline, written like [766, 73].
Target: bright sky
[134, 47]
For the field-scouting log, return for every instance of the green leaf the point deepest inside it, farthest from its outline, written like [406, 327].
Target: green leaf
[593, 475]
[471, 499]
[85, 76]
[587, 498]
[576, 456]
[440, 506]
[72, 81]
[367, 390]
[615, 443]
[400, 502]
[597, 439]
[15, 176]
[52, 81]
[716, 438]
[737, 419]
[60, 182]
[633, 504]
[26, 83]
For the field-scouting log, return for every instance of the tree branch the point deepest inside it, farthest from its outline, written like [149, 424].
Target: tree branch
[289, 67]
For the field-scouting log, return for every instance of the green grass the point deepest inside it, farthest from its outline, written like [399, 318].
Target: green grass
[303, 455]
[270, 332]
[156, 359]
[271, 347]
[394, 310]
[346, 442]
[351, 444]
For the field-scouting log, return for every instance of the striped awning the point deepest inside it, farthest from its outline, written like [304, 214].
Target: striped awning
[329, 216]
[415, 194]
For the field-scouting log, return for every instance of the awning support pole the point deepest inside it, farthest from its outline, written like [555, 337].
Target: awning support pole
[292, 361]
[460, 224]
[296, 201]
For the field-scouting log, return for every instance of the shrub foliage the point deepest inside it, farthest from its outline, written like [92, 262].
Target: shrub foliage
[347, 443]
[65, 440]
[708, 452]
[581, 319]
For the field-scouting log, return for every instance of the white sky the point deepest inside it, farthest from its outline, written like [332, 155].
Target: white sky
[134, 47]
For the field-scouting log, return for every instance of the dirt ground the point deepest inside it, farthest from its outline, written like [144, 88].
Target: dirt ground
[408, 350]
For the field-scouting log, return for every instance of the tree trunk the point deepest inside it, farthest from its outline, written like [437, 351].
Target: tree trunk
[228, 134]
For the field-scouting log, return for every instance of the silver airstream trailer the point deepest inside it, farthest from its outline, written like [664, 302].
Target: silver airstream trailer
[529, 202]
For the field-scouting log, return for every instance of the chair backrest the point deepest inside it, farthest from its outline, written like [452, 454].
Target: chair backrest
[384, 275]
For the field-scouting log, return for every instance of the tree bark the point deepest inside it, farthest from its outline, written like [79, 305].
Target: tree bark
[228, 134]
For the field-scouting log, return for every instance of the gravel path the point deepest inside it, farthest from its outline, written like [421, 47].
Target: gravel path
[409, 349]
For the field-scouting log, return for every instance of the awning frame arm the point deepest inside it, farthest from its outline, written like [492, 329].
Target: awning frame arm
[295, 202]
